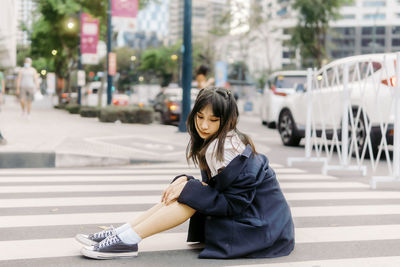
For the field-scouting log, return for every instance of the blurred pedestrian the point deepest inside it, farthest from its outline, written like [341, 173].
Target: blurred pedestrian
[201, 77]
[238, 210]
[2, 88]
[2, 91]
[3, 141]
[27, 85]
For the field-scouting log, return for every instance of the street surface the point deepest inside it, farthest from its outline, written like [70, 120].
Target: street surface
[338, 222]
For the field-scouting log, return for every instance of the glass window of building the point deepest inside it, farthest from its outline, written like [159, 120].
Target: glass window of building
[348, 16]
[396, 42]
[374, 16]
[366, 30]
[396, 30]
[374, 3]
[349, 31]
[365, 42]
[380, 30]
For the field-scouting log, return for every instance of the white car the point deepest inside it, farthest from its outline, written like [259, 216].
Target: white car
[371, 84]
[280, 84]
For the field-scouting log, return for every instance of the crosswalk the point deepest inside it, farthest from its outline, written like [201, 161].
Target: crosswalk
[338, 222]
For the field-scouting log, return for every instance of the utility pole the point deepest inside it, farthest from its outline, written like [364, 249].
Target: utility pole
[79, 56]
[109, 43]
[186, 64]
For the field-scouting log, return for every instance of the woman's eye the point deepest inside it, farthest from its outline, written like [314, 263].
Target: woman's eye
[215, 120]
[200, 117]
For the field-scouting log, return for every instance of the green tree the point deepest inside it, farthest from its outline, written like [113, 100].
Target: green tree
[313, 22]
[126, 67]
[50, 32]
[159, 62]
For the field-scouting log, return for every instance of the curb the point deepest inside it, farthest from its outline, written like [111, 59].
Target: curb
[64, 160]
[27, 159]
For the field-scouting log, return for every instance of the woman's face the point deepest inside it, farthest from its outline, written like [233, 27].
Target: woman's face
[206, 122]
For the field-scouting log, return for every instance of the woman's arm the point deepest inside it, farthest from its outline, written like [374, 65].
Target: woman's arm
[209, 200]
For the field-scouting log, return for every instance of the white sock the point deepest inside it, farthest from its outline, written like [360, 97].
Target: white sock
[130, 237]
[122, 228]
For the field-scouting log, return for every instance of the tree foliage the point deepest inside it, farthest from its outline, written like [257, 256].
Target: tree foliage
[50, 32]
[159, 62]
[313, 22]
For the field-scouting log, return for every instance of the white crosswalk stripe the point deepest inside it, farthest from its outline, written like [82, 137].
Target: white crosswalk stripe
[62, 199]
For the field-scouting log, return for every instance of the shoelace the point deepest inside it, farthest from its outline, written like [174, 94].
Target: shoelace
[111, 240]
[104, 233]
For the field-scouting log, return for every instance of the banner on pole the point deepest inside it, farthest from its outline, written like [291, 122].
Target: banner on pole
[112, 64]
[124, 8]
[89, 39]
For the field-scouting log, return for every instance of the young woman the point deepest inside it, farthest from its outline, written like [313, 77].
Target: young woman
[238, 210]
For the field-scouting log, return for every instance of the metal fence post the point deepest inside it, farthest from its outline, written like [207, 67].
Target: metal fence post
[344, 164]
[396, 137]
[309, 112]
[308, 144]
[345, 115]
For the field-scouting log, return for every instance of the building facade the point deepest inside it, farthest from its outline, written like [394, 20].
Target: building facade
[8, 34]
[206, 15]
[25, 15]
[150, 27]
[365, 26]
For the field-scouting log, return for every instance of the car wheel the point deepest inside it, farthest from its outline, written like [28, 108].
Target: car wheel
[287, 129]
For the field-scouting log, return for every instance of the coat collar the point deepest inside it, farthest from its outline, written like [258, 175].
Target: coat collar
[232, 170]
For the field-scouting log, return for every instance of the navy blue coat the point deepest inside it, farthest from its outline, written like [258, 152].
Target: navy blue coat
[241, 213]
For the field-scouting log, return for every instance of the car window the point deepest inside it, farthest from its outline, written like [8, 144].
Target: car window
[282, 81]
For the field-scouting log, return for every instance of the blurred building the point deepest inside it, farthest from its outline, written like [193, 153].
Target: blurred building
[365, 26]
[8, 33]
[206, 15]
[259, 45]
[25, 16]
[150, 29]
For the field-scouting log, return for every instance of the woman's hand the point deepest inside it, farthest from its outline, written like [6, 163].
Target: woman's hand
[173, 190]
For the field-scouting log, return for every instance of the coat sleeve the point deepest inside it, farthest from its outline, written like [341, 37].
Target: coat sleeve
[208, 200]
[189, 177]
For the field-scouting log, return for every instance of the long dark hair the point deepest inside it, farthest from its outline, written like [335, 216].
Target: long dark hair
[224, 107]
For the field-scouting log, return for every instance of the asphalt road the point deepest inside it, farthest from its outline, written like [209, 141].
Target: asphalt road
[339, 220]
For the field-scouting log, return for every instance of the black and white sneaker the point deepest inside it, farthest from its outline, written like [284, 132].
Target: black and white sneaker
[110, 248]
[93, 239]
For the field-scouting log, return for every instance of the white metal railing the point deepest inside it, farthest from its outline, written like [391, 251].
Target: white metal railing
[352, 106]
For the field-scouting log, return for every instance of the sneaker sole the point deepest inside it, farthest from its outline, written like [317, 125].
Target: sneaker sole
[84, 240]
[107, 255]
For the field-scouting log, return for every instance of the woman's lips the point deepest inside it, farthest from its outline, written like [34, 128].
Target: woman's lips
[203, 133]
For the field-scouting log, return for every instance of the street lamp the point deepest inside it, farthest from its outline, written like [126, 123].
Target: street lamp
[70, 25]
[43, 72]
[174, 57]
[133, 58]
[54, 52]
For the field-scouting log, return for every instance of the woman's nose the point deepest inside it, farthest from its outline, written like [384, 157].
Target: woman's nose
[204, 125]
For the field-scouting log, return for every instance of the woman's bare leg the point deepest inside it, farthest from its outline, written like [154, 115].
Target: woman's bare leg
[166, 217]
[146, 214]
[28, 107]
[22, 102]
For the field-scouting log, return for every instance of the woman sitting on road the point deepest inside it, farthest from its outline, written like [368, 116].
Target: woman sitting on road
[238, 210]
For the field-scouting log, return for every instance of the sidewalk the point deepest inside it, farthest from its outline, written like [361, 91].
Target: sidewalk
[55, 138]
